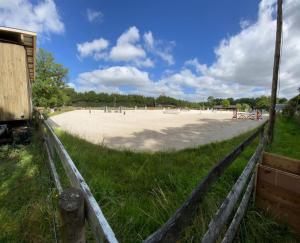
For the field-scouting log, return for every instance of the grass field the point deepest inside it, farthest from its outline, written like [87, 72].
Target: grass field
[25, 195]
[138, 192]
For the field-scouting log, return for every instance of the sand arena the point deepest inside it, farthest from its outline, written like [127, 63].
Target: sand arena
[152, 130]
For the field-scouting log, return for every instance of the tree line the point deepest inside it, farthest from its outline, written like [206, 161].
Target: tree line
[50, 90]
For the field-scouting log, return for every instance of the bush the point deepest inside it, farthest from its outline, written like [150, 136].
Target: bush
[293, 107]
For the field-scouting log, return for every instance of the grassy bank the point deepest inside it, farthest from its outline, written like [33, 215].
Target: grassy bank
[25, 199]
[138, 192]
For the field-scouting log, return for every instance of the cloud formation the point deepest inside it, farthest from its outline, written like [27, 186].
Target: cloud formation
[247, 58]
[127, 48]
[242, 67]
[162, 49]
[94, 48]
[42, 17]
[131, 49]
[94, 15]
[113, 78]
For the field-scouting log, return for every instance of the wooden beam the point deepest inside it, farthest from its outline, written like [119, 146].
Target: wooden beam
[170, 231]
[52, 169]
[220, 219]
[281, 162]
[278, 178]
[95, 217]
[235, 223]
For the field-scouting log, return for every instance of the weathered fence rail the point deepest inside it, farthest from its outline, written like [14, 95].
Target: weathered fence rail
[93, 213]
[171, 230]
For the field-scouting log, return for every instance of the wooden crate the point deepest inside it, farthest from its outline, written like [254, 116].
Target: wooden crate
[278, 188]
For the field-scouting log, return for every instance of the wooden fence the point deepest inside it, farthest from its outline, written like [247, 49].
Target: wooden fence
[93, 214]
[170, 231]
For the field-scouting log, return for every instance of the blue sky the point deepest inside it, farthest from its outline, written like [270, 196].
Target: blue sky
[197, 28]
[185, 49]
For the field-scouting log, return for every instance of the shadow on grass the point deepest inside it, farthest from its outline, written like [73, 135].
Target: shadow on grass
[25, 210]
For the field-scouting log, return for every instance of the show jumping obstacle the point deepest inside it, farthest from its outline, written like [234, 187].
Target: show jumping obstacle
[256, 115]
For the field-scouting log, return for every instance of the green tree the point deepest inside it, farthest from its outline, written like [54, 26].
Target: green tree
[225, 103]
[211, 101]
[239, 106]
[50, 83]
[245, 107]
[263, 102]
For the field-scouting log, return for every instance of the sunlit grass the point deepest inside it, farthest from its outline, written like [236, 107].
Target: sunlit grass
[138, 192]
[25, 194]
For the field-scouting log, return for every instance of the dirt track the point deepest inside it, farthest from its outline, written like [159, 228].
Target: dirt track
[152, 130]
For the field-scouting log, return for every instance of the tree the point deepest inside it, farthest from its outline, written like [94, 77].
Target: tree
[211, 101]
[263, 102]
[50, 83]
[245, 107]
[225, 103]
[282, 100]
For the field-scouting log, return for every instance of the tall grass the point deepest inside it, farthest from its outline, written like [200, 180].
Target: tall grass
[138, 192]
[25, 194]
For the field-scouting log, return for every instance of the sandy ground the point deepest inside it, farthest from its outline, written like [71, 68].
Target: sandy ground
[148, 130]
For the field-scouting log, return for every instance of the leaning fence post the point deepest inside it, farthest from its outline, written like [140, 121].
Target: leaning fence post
[71, 208]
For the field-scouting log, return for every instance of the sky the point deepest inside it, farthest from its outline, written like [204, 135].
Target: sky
[184, 49]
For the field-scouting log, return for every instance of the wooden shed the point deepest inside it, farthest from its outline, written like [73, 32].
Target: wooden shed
[17, 72]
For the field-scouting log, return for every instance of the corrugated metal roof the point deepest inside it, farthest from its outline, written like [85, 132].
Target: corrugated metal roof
[25, 38]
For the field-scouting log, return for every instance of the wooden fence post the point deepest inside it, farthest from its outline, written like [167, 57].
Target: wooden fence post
[71, 208]
[261, 135]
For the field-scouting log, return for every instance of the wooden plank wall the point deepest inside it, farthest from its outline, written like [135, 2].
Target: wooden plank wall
[14, 88]
[281, 163]
[278, 191]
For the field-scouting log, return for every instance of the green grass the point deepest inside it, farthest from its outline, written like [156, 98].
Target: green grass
[287, 137]
[138, 192]
[25, 195]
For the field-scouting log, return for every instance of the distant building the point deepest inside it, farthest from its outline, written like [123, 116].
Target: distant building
[279, 107]
[220, 107]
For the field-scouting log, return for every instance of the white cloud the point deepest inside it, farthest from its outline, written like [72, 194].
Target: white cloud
[149, 40]
[163, 49]
[247, 58]
[243, 65]
[126, 48]
[114, 77]
[94, 15]
[129, 49]
[42, 17]
[93, 48]
[200, 68]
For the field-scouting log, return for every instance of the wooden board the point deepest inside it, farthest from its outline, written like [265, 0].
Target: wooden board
[278, 192]
[15, 98]
[281, 162]
[97, 221]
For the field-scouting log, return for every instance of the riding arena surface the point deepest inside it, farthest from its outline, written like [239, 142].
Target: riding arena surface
[152, 130]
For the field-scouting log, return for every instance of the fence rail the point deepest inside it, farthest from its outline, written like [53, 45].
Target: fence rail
[171, 230]
[93, 213]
